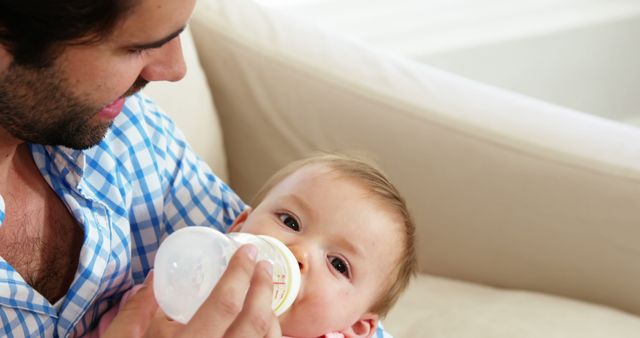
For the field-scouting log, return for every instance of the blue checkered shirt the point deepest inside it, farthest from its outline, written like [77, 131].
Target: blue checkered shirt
[128, 192]
[139, 184]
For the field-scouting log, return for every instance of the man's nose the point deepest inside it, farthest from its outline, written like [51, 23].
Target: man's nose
[167, 63]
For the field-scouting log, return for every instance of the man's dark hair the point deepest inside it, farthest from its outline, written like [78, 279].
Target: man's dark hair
[34, 31]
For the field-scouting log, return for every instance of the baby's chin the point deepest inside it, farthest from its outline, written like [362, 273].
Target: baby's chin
[296, 332]
[291, 327]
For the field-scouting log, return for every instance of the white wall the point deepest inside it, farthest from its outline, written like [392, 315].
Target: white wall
[594, 69]
[577, 53]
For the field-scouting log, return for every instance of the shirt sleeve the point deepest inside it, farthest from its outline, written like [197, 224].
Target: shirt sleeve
[171, 186]
[195, 195]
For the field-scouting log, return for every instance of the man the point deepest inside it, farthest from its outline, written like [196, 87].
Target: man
[90, 182]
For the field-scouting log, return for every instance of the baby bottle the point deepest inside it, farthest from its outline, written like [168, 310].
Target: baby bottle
[190, 262]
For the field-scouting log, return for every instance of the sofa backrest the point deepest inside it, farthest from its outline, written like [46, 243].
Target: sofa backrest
[506, 190]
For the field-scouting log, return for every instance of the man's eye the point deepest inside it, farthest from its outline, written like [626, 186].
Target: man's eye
[341, 266]
[289, 221]
[138, 51]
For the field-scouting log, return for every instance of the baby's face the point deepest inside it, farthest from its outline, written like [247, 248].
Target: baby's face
[345, 242]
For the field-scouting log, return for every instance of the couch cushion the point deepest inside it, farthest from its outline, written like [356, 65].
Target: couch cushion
[190, 104]
[437, 307]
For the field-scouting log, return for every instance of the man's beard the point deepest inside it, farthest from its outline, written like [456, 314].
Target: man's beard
[37, 106]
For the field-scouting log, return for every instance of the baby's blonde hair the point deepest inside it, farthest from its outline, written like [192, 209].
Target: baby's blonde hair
[372, 179]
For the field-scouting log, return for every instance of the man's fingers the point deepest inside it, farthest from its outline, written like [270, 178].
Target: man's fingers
[239, 306]
[163, 327]
[227, 298]
[134, 317]
[256, 317]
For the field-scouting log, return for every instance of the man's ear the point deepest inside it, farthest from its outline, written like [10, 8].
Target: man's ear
[237, 223]
[365, 327]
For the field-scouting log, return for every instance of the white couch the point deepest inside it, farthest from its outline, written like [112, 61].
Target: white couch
[528, 214]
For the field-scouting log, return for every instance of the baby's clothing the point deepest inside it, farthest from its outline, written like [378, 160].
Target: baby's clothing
[108, 317]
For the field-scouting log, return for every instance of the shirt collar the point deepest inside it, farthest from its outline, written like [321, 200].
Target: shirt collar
[70, 163]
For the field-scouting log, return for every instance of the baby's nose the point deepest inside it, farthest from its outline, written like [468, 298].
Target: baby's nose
[301, 257]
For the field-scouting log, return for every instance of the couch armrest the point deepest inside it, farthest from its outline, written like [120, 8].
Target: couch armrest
[506, 190]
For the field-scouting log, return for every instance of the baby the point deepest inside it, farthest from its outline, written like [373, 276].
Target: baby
[352, 235]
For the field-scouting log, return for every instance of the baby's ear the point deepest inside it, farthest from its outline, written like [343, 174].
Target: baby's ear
[365, 327]
[237, 223]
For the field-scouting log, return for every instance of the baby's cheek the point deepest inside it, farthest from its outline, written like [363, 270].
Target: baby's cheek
[325, 306]
[339, 308]
[309, 317]
[319, 302]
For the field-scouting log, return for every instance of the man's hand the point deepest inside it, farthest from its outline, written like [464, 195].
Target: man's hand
[239, 306]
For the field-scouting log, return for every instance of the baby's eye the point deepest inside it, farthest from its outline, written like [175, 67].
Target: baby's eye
[340, 265]
[289, 221]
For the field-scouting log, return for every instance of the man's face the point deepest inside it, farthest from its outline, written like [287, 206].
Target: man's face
[346, 244]
[74, 101]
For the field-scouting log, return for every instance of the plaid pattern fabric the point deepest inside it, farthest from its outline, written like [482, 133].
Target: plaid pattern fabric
[1, 210]
[139, 184]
